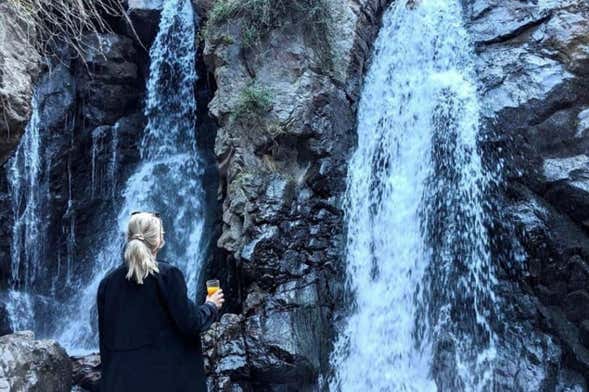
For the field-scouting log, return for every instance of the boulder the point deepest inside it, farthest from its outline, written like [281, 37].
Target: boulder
[87, 372]
[29, 365]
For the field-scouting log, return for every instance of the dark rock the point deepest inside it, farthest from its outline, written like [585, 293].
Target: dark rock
[282, 218]
[225, 353]
[90, 123]
[5, 325]
[576, 305]
[570, 381]
[584, 332]
[87, 372]
[145, 17]
[532, 66]
[112, 88]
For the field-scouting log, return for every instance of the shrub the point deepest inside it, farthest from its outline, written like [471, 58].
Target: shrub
[253, 100]
[261, 16]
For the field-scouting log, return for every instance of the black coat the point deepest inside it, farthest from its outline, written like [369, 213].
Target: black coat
[150, 333]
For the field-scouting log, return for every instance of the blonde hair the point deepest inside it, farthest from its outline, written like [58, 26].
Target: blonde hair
[143, 234]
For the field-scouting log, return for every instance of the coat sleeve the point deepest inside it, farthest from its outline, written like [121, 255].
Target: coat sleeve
[104, 354]
[190, 319]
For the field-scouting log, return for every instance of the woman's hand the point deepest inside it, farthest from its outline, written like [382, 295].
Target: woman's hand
[217, 298]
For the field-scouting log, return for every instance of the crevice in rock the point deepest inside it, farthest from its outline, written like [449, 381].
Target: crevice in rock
[522, 31]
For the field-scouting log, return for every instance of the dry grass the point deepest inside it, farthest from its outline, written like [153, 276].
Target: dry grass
[261, 16]
[49, 23]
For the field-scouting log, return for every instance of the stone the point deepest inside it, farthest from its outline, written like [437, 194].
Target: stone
[87, 372]
[224, 345]
[29, 365]
[532, 67]
[19, 68]
[114, 87]
[577, 305]
[282, 216]
[5, 324]
[75, 97]
[145, 17]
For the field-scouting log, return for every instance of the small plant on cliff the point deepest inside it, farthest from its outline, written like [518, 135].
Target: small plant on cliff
[253, 100]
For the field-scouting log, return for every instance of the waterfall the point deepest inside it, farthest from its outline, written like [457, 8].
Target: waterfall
[105, 142]
[27, 195]
[168, 180]
[419, 270]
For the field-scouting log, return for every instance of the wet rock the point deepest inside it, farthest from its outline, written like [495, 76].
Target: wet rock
[226, 359]
[145, 17]
[532, 64]
[568, 186]
[33, 365]
[90, 121]
[87, 372]
[570, 381]
[5, 325]
[113, 87]
[281, 214]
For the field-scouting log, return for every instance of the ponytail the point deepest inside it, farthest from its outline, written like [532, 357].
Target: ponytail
[142, 236]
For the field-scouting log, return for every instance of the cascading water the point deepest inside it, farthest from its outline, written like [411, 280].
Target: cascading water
[418, 258]
[28, 195]
[103, 178]
[167, 180]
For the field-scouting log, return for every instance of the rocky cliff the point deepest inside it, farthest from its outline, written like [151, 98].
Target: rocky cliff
[89, 114]
[285, 85]
[292, 132]
[533, 59]
[533, 62]
[287, 89]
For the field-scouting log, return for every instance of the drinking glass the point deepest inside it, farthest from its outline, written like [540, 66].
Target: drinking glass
[213, 286]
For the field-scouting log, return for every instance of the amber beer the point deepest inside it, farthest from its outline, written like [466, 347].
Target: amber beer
[213, 286]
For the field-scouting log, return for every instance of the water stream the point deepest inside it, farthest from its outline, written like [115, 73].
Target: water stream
[167, 180]
[418, 260]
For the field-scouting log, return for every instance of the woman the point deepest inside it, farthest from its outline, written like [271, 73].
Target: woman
[149, 329]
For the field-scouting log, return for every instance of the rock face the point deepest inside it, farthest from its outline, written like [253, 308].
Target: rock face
[282, 221]
[533, 61]
[286, 118]
[286, 105]
[29, 365]
[19, 67]
[90, 118]
[145, 17]
[5, 327]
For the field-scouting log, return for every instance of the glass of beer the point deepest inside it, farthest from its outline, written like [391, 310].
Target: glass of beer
[213, 286]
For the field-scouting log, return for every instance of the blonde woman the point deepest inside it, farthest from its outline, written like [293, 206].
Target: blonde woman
[149, 329]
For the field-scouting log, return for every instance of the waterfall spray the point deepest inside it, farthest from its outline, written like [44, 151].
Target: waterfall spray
[418, 258]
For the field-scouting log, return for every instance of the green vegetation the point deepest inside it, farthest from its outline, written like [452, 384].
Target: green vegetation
[253, 100]
[261, 16]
